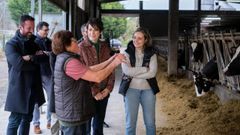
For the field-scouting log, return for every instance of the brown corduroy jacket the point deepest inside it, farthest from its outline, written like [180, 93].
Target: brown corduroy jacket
[88, 55]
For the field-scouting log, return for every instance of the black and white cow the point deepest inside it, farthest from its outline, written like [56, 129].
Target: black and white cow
[233, 68]
[210, 70]
[201, 84]
[197, 49]
[204, 80]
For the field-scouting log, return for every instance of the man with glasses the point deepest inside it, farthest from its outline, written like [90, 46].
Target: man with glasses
[44, 44]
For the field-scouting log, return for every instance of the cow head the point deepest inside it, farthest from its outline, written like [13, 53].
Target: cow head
[210, 70]
[233, 67]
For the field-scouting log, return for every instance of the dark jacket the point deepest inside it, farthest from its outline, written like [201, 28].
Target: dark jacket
[24, 76]
[73, 98]
[52, 60]
[45, 45]
[148, 53]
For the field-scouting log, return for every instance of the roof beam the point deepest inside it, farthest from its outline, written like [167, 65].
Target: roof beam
[59, 3]
[107, 1]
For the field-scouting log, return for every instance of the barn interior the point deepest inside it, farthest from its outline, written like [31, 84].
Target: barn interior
[212, 24]
[177, 36]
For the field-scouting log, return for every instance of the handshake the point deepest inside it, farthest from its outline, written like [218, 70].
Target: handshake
[118, 58]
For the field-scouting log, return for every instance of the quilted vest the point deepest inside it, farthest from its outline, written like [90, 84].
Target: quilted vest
[148, 53]
[73, 98]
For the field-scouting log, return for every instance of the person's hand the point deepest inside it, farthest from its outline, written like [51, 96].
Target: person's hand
[119, 58]
[47, 53]
[26, 57]
[105, 92]
[99, 96]
[40, 52]
[112, 57]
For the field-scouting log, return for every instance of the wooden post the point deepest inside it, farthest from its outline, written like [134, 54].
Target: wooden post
[173, 20]
[199, 17]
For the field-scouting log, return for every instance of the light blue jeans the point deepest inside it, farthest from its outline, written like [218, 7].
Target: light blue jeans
[47, 85]
[147, 99]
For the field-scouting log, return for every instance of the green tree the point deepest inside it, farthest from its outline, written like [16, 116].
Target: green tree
[20, 7]
[132, 24]
[112, 5]
[113, 26]
[48, 7]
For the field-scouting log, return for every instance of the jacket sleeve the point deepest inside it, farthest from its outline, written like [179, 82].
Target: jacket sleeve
[152, 69]
[132, 71]
[14, 58]
[111, 79]
[39, 58]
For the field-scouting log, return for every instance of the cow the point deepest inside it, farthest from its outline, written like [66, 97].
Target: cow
[233, 67]
[204, 79]
[197, 49]
[201, 84]
[210, 70]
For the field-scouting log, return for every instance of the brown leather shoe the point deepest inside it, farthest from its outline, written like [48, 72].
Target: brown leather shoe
[37, 130]
[48, 125]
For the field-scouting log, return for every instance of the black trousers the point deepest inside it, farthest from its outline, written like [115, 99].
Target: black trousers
[98, 119]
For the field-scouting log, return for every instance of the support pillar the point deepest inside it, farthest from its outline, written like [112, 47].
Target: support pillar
[173, 19]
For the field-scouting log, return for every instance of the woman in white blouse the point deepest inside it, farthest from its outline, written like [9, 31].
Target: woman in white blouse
[140, 70]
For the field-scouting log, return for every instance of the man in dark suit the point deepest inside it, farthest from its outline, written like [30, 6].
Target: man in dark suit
[44, 43]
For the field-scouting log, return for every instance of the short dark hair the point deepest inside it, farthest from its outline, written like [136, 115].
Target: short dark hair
[96, 23]
[41, 24]
[24, 18]
[61, 40]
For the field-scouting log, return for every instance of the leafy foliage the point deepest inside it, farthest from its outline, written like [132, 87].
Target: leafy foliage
[114, 27]
[48, 7]
[112, 5]
[20, 7]
[132, 25]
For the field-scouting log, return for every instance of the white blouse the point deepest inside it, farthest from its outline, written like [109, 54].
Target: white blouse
[139, 73]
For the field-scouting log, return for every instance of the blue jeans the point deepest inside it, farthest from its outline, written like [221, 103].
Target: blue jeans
[47, 85]
[74, 130]
[147, 99]
[20, 120]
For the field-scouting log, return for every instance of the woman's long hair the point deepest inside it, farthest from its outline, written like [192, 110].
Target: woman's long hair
[147, 36]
